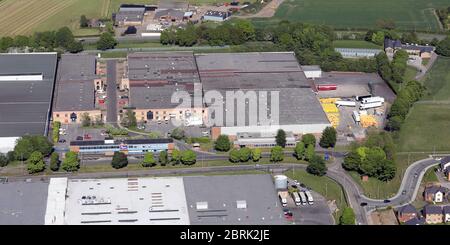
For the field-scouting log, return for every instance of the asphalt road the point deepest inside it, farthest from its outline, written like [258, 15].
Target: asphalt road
[111, 91]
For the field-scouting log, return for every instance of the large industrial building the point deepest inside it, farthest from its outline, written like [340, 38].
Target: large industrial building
[279, 72]
[76, 87]
[26, 88]
[191, 200]
[152, 78]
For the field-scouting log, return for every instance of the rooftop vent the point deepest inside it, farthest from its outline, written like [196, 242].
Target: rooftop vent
[202, 205]
[241, 204]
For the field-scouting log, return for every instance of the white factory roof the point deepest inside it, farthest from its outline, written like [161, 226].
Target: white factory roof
[56, 201]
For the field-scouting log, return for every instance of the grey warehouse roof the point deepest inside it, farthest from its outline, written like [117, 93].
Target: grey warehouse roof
[222, 193]
[130, 14]
[23, 203]
[25, 105]
[75, 85]
[250, 70]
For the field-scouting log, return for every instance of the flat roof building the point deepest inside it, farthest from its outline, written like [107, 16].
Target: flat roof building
[26, 88]
[358, 52]
[210, 200]
[219, 16]
[76, 87]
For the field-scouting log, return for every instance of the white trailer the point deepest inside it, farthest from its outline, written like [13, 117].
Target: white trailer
[370, 105]
[345, 103]
[303, 198]
[283, 195]
[309, 197]
[356, 117]
[372, 100]
[296, 198]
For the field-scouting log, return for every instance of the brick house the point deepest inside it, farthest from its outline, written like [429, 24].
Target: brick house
[406, 213]
[433, 214]
[435, 194]
[445, 167]
[446, 212]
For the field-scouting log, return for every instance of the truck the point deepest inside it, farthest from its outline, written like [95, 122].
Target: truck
[303, 198]
[372, 100]
[296, 198]
[356, 117]
[283, 195]
[370, 105]
[326, 87]
[345, 103]
[309, 197]
[361, 97]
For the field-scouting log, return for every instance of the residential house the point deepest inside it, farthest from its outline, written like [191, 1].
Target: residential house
[433, 214]
[406, 213]
[414, 221]
[445, 167]
[391, 46]
[446, 212]
[435, 194]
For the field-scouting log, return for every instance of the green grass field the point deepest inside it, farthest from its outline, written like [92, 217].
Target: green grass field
[344, 14]
[355, 44]
[425, 128]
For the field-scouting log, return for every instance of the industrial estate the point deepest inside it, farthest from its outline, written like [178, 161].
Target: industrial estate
[181, 113]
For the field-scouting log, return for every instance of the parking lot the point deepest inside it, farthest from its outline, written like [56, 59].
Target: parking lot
[316, 214]
[165, 127]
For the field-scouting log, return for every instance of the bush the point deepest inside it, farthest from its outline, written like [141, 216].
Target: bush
[245, 154]
[222, 143]
[234, 156]
[149, 160]
[3, 160]
[119, 160]
[276, 154]
[347, 217]
[176, 156]
[55, 134]
[54, 161]
[163, 159]
[299, 150]
[71, 162]
[256, 154]
[35, 163]
[188, 157]
[177, 133]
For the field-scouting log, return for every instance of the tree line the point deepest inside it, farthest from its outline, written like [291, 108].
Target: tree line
[410, 93]
[48, 41]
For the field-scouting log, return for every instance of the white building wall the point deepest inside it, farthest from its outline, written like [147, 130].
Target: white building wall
[56, 201]
[294, 128]
[7, 144]
[39, 77]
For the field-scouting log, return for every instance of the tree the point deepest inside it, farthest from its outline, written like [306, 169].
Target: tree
[247, 28]
[299, 150]
[443, 47]
[106, 41]
[328, 138]
[75, 47]
[256, 154]
[83, 21]
[35, 163]
[163, 159]
[3, 160]
[85, 120]
[276, 154]
[6, 43]
[245, 154]
[317, 166]
[347, 217]
[177, 133]
[71, 162]
[188, 157]
[119, 160]
[222, 143]
[54, 161]
[352, 161]
[22, 41]
[30, 143]
[281, 138]
[11, 157]
[309, 139]
[176, 156]
[149, 160]
[234, 155]
[309, 153]
[129, 120]
[64, 37]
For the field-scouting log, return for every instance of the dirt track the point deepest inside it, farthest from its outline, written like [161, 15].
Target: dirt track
[266, 12]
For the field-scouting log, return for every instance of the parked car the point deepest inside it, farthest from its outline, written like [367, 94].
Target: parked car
[387, 201]
[62, 141]
[79, 137]
[363, 204]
